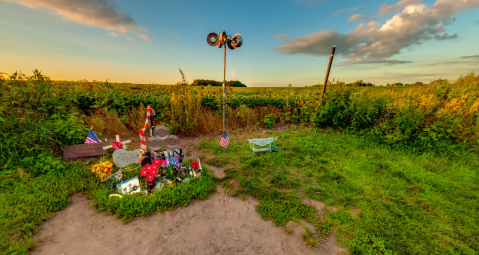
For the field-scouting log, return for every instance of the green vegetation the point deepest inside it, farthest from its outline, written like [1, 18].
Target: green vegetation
[405, 156]
[35, 123]
[408, 203]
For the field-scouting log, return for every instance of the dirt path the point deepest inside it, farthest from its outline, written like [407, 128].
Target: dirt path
[200, 228]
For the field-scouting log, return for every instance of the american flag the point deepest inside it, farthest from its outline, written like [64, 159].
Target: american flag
[92, 138]
[224, 140]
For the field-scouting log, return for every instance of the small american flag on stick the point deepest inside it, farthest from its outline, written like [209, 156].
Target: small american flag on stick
[92, 138]
[224, 141]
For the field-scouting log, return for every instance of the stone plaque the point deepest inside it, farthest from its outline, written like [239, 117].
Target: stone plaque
[84, 150]
[122, 158]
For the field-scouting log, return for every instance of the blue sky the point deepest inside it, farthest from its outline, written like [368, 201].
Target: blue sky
[285, 41]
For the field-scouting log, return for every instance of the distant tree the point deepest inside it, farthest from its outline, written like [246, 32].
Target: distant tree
[201, 82]
[419, 83]
[360, 83]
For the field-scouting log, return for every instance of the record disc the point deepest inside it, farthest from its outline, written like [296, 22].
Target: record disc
[173, 142]
[154, 144]
[161, 132]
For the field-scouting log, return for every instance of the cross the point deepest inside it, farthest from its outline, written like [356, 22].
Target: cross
[118, 140]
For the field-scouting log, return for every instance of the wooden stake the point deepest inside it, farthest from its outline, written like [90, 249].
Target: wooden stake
[329, 69]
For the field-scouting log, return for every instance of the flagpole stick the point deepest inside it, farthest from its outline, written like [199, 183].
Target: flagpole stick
[224, 82]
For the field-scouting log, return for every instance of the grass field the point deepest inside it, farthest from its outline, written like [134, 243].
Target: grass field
[405, 157]
[408, 204]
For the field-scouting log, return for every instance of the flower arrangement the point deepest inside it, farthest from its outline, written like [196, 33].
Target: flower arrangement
[149, 171]
[195, 165]
[101, 170]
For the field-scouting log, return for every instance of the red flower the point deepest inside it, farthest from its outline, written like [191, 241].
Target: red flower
[195, 165]
[156, 162]
[144, 172]
[150, 178]
[116, 145]
[163, 163]
[154, 172]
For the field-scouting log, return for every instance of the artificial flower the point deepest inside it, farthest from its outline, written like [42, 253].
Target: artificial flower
[164, 163]
[116, 145]
[195, 165]
[144, 172]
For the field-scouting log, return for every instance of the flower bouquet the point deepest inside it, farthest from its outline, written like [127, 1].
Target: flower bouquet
[102, 170]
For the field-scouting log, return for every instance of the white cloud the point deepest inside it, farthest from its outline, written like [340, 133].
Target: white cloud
[385, 9]
[338, 12]
[126, 36]
[117, 35]
[145, 37]
[114, 34]
[354, 9]
[445, 36]
[99, 13]
[375, 41]
[357, 17]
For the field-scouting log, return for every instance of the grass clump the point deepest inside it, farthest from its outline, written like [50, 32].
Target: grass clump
[130, 207]
[217, 161]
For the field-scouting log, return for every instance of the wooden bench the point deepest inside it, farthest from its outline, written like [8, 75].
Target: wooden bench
[262, 142]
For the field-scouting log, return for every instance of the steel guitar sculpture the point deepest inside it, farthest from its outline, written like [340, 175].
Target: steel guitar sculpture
[233, 42]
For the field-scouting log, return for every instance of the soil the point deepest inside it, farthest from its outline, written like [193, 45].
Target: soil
[220, 225]
[202, 227]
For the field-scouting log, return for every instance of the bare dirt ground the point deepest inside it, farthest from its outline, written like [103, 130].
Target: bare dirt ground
[219, 225]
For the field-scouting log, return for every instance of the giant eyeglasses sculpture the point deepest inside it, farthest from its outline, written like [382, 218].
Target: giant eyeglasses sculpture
[233, 42]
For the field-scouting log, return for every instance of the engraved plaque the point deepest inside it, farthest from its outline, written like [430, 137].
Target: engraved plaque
[84, 150]
[122, 158]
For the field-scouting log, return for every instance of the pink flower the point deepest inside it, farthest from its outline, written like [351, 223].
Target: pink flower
[156, 162]
[144, 172]
[150, 178]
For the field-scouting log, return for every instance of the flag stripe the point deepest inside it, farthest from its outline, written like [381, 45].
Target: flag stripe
[92, 137]
[224, 141]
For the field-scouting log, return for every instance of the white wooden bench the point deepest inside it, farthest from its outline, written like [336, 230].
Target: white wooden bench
[262, 142]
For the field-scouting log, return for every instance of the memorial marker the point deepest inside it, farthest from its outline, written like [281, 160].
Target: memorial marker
[84, 150]
[123, 158]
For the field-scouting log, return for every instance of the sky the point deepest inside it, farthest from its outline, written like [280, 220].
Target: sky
[284, 41]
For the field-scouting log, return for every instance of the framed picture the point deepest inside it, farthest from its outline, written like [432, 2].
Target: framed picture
[130, 186]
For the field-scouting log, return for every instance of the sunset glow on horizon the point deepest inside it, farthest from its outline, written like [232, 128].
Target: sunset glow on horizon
[285, 42]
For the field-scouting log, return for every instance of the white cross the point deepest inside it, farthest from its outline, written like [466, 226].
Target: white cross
[118, 140]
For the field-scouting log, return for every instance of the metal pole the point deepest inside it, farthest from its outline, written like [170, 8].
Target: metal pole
[329, 69]
[224, 83]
